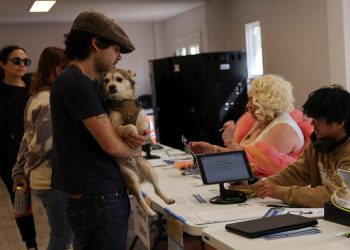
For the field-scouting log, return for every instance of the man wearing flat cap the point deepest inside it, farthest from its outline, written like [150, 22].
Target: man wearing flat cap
[84, 142]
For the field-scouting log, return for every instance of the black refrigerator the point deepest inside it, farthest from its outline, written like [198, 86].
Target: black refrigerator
[195, 95]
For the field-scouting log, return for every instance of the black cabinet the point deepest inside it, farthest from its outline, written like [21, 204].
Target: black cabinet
[195, 95]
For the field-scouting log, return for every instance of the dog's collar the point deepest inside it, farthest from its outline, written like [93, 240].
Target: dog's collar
[117, 104]
[128, 108]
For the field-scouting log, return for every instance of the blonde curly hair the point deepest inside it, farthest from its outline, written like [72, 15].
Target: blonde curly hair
[272, 96]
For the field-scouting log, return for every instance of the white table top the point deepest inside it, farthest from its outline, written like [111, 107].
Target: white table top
[218, 237]
[182, 189]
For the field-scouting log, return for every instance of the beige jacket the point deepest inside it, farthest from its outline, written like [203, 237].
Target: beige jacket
[311, 180]
[34, 156]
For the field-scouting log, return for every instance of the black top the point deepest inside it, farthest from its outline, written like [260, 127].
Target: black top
[79, 163]
[12, 103]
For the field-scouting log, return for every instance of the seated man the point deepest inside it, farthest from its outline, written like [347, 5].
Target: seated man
[312, 179]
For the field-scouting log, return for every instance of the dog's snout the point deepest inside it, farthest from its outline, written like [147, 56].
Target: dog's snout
[112, 88]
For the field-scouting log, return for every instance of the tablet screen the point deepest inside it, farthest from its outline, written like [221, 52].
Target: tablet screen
[224, 167]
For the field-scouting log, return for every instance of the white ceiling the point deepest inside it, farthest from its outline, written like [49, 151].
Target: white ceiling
[16, 11]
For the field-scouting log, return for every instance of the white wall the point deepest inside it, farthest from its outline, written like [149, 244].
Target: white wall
[294, 38]
[187, 23]
[306, 41]
[346, 30]
[141, 35]
[336, 41]
[35, 37]
[215, 23]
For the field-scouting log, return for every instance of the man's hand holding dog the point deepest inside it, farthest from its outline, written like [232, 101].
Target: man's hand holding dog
[135, 140]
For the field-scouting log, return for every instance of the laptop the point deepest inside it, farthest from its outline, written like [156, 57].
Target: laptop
[270, 225]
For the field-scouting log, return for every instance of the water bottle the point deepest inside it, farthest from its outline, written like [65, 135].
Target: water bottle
[22, 204]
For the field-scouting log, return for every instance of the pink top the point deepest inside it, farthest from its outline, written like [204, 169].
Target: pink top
[264, 159]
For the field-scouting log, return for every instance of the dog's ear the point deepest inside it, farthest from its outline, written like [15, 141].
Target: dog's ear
[132, 74]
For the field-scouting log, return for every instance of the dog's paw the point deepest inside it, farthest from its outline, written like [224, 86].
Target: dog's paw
[150, 213]
[127, 129]
[142, 127]
[170, 201]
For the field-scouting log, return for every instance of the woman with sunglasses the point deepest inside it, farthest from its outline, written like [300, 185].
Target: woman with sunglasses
[33, 167]
[13, 97]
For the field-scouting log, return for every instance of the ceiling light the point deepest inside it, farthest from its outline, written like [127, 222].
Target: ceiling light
[41, 6]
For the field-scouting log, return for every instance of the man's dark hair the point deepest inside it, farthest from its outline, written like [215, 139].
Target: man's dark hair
[78, 44]
[331, 103]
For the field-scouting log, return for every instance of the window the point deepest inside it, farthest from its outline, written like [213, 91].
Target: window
[194, 49]
[180, 51]
[187, 45]
[254, 49]
[191, 50]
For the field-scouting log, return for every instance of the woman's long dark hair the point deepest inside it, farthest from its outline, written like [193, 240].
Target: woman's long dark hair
[50, 59]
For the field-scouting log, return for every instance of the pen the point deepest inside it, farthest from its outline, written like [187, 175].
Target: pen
[283, 206]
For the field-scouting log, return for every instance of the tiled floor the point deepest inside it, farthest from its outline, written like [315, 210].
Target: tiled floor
[10, 238]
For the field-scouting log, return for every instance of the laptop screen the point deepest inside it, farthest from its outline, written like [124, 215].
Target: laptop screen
[224, 167]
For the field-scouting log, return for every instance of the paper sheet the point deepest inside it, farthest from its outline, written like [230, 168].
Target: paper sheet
[185, 201]
[293, 233]
[306, 212]
[232, 214]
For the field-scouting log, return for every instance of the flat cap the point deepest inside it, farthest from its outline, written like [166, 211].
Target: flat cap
[98, 24]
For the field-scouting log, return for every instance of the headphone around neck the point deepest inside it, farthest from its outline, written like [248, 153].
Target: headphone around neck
[325, 145]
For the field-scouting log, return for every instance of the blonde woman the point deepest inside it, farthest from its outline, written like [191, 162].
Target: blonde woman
[272, 132]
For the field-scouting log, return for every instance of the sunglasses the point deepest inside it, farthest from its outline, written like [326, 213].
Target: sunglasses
[18, 61]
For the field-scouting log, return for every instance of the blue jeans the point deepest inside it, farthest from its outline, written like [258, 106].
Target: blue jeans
[55, 202]
[99, 221]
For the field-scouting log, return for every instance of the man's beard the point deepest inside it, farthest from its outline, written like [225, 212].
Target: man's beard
[100, 67]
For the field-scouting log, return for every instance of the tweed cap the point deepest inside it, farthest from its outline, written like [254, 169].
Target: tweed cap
[98, 24]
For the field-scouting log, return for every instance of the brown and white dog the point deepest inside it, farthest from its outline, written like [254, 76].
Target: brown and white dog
[126, 115]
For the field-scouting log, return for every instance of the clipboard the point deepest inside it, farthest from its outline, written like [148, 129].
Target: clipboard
[269, 225]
